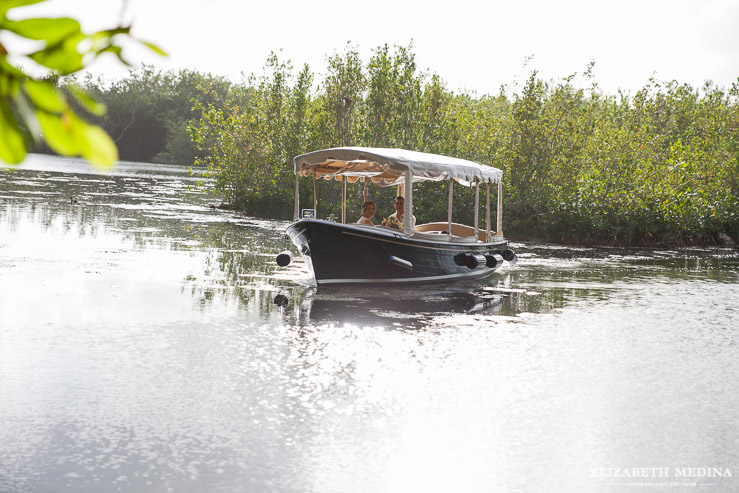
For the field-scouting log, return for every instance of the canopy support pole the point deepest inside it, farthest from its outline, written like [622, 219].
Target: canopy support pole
[343, 200]
[499, 231]
[364, 179]
[296, 211]
[477, 204]
[408, 212]
[315, 197]
[449, 208]
[487, 213]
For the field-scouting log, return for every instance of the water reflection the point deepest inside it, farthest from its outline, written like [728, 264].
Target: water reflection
[387, 306]
[155, 207]
[141, 349]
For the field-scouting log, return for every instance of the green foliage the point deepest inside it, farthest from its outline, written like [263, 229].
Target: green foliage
[35, 106]
[149, 111]
[252, 136]
[393, 99]
[341, 101]
[658, 167]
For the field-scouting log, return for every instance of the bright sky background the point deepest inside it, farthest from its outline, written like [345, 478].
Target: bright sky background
[473, 45]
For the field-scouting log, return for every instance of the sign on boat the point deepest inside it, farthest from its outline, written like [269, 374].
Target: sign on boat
[340, 253]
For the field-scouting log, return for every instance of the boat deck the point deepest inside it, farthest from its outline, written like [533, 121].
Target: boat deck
[438, 231]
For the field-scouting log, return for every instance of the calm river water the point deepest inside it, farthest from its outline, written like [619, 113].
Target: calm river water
[141, 351]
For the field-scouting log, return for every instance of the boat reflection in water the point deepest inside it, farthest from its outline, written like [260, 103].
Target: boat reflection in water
[410, 308]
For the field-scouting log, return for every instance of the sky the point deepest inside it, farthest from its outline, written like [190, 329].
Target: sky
[472, 45]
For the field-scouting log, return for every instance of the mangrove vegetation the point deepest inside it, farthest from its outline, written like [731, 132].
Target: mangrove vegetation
[658, 167]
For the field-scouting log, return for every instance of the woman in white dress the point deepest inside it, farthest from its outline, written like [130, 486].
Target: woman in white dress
[368, 211]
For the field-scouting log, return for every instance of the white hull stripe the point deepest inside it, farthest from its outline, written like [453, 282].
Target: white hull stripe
[406, 279]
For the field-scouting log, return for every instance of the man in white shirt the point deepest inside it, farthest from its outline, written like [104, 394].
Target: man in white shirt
[396, 219]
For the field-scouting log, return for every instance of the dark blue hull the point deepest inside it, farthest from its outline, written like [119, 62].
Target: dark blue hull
[351, 254]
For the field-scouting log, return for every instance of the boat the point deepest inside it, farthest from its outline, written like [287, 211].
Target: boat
[338, 253]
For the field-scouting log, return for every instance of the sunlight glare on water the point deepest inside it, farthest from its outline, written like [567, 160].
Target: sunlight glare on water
[141, 349]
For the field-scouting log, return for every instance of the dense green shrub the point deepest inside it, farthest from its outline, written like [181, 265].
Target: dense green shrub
[658, 167]
[149, 111]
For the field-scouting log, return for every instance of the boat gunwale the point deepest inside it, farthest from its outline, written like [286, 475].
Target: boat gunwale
[396, 236]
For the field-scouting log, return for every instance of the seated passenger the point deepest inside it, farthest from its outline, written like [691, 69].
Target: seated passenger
[395, 220]
[368, 211]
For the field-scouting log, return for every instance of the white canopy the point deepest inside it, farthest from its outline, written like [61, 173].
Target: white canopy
[386, 167]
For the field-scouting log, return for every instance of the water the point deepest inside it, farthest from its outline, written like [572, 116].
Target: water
[141, 350]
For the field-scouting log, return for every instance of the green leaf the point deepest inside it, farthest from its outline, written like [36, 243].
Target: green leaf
[116, 50]
[45, 96]
[45, 29]
[109, 33]
[9, 70]
[12, 145]
[87, 102]
[154, 48]
[69, 135]
[62, 58]
[6, 5]
[96, 145]
[58, 133]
